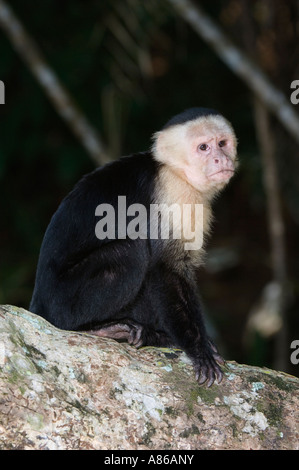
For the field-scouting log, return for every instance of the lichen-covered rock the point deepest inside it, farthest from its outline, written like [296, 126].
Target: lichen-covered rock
[67, 390]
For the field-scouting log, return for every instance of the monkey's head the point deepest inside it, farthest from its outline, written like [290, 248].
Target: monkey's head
[201, 146]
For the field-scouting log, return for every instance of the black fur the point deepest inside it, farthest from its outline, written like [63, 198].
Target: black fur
[83, 283]
[190, 115]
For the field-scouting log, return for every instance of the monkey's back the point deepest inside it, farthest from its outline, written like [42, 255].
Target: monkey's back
[70, 242]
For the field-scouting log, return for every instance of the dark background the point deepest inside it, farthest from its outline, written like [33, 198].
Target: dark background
[130, 65]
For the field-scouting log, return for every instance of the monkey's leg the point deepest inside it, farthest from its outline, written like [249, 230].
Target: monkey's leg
[96, 289]
[183, 322]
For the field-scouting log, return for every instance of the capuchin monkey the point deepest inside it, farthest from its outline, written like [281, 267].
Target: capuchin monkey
[99, 275]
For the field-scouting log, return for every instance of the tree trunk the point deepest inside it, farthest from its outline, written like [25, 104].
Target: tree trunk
[68, 390]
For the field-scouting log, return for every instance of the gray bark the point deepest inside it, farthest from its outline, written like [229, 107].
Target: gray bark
[68, 390]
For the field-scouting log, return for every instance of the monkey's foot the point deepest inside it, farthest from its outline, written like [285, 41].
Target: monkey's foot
[206, 365]
[130, 332]
[135, 334]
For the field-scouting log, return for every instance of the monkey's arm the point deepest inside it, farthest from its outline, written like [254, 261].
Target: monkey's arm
[184, 324]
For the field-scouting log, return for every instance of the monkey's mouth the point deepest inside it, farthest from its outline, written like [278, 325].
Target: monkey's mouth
[222, 175]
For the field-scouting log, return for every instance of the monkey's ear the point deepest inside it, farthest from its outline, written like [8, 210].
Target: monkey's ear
[168, 145]
[157, 147]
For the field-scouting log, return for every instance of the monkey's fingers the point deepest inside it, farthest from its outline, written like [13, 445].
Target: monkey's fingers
[219, 375]
[201, 375]
[116, 331]
[209, 376]
[216, 354]
[208, 372]
[135, 337]
[219, 359]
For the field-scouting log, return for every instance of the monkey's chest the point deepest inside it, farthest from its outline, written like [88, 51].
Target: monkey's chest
[177, 257]
[185, 219]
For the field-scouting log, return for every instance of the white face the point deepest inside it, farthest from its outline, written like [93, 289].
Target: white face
[211, 154]
[203, 151]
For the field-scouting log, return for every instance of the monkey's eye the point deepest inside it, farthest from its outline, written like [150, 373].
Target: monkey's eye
[222, 143]
[203, 147]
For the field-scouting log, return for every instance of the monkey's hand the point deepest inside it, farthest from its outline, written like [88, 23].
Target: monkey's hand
[206, 364]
